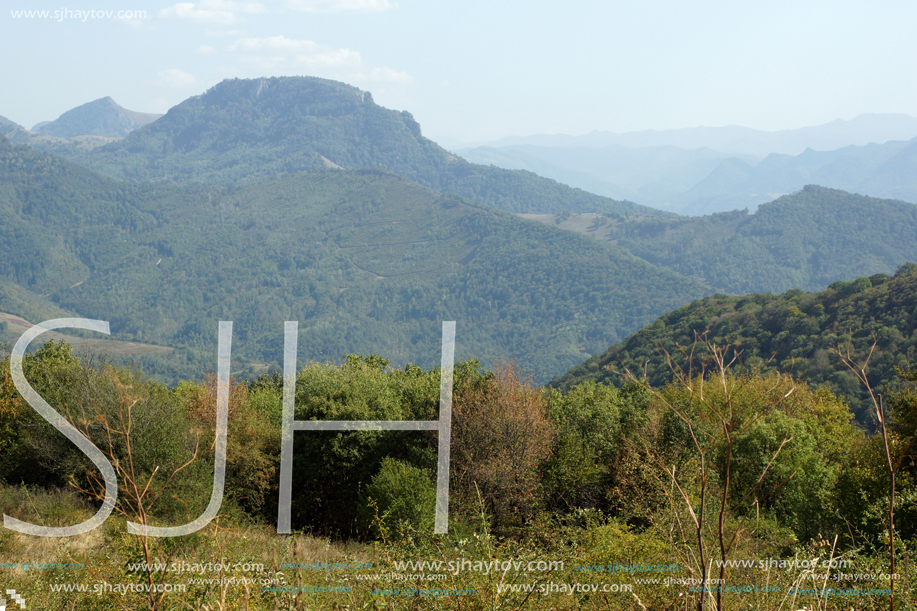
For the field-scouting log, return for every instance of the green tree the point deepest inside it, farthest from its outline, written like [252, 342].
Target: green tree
[399, 497]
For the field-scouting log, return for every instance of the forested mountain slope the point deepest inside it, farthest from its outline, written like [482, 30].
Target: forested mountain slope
[806, 240]
[367, 261]
[794, 333]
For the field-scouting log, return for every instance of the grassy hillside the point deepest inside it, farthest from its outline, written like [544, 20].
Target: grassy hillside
[367, 261]
[794, 332]
[247, 131]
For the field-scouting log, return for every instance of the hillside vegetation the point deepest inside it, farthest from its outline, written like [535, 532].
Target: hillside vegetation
[581, 480]
[365, 260]
[795, 332]
[806, 241]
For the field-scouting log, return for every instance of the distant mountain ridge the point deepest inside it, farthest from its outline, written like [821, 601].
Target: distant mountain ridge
[252, 130]
[805, 240]
[886, 170]
[704, 181]
[657, 176]
[735, 140]
[102, 117]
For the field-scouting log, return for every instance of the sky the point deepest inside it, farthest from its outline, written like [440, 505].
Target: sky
[474, 71]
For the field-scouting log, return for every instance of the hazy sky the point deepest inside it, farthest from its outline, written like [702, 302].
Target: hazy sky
[471, 70]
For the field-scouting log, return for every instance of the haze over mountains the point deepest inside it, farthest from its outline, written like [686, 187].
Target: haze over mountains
[705, 170]
[733, 139]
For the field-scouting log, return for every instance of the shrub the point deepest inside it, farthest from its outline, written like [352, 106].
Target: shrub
[500, 436]
[400, 496]
[589, 464]
[134, 421]
[252, 444]
[331, 468]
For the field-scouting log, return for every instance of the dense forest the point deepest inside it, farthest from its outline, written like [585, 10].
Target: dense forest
[806, 241]
[365, 260]
[796, 333]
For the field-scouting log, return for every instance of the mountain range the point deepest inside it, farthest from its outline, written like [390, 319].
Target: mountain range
[248, 131]
[692, 171]
[366, 260]
[665, 173]
[733, 139]
[298, 198]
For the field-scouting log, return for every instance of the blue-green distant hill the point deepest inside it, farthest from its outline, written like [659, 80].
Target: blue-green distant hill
[102, 117]
[7, 126]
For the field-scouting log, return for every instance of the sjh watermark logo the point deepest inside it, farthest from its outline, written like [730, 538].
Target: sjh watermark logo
[18, 599]
[443, 426]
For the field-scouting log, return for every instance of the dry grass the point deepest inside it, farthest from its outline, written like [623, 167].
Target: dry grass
[17, 326]
[105, 553]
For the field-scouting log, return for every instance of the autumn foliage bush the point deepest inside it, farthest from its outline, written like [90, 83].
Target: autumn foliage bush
[252, 443]
[501, 433]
